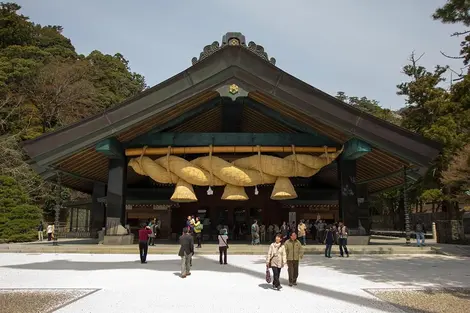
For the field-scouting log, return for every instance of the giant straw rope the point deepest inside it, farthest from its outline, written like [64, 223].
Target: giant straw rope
[213, 171]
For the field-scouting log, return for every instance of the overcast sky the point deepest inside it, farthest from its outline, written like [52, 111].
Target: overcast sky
[358, 47]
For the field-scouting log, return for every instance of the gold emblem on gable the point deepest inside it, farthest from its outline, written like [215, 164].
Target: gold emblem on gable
[233, 89]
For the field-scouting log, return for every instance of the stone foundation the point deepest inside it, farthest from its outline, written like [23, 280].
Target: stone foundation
[119, 240]
[358, 240]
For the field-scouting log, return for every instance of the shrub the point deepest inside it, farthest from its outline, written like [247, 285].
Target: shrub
[18, 219]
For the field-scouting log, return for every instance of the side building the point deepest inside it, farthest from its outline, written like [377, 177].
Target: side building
[231, 139]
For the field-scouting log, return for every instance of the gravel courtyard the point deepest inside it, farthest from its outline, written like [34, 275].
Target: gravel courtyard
[119, 283]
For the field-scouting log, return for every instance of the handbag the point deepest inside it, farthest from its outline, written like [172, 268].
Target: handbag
[268, 276]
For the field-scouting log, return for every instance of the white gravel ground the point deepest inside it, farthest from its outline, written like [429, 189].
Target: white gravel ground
[335, 285]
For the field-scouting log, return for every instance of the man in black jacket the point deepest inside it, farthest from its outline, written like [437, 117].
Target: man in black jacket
[186, 252]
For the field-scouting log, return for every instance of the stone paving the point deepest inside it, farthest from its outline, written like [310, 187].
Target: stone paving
[325, 285]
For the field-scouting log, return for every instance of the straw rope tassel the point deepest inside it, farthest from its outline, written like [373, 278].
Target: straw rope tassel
[249, 171]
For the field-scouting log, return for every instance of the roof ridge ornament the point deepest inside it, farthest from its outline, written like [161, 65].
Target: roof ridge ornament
[233, 39]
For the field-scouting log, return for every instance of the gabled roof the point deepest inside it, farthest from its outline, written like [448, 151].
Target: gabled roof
[262, 80]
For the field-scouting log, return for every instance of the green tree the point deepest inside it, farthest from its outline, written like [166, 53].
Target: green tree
[18, 218]
[457, 12]
[370, 106]
[113, 79]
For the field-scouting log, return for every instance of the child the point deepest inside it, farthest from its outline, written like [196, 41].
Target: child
[329, 240]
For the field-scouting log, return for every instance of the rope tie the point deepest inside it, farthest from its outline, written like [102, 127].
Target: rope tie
[210, 168]
[296, 164]
[168, 164]
[142, 155]
[327, 155]
[259, 164]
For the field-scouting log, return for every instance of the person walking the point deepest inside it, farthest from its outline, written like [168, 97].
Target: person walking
[223, 245]
[144, 233]
[329, 240]
[343, 239]
[276, 260]
[302, 229]
[40, 232]
[255, 233]
[420, 232]
[294, 253]
[186, 252]
[198, 231]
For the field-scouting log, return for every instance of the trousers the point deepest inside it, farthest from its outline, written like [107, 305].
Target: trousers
[276, 275]
[143, 249]
[186, 264]
[293, 271]
[223, 252]
[343, 243]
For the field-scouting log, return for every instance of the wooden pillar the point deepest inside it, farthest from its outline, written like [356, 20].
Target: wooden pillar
[348, 206]
[71, 220]
[116, 192]
[97, 212]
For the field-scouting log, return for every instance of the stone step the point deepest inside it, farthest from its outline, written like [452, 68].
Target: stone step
[207, 249]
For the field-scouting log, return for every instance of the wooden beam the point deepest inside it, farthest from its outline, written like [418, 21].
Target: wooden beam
[111, 148]
[229, 139]
[355, 149]
[225, 149]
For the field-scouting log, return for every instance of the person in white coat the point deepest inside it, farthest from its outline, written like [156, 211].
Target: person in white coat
[276, 260]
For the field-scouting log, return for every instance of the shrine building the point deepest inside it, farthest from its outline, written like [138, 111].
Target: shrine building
[231, 139]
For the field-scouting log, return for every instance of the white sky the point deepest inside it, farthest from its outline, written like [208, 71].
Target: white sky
[358, 47]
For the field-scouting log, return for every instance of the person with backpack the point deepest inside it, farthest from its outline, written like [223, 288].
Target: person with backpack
[420, 232]
[198, 231]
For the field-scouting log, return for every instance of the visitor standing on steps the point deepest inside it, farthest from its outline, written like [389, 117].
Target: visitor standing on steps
[276, 260]
[343, 239]
[144, 233]
[50, 230]
[329, 240]
[255, 233]
[152, 235]
[40, 232]
[198, 231]
[223, 245]
[420, 232]
[262, 233]
[186, 252]
[302, 229]
[294, 253]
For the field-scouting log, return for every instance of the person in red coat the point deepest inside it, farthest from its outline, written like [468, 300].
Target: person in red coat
[144, 233]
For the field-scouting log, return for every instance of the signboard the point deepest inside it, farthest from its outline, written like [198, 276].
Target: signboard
[292, 217]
